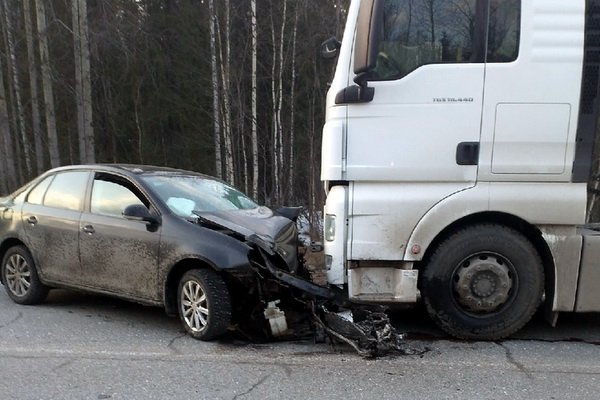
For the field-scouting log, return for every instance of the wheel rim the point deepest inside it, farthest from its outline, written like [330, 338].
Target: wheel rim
[484, 283]
[18, 275]
[194, 306]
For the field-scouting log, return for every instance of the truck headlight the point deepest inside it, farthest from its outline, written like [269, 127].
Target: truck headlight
[329, 227]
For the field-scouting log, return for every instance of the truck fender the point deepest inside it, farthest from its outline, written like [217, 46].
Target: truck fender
[443, 214]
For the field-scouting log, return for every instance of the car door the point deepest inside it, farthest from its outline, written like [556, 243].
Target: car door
[118, 255]
[51, 214]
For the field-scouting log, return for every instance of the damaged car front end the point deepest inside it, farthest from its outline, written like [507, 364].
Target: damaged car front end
[287, 292]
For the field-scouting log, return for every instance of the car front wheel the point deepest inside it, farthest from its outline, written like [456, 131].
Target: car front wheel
[20, 277]
[204, 304]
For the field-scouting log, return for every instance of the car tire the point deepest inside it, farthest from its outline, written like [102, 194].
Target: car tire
[204, 304]
[483, 282]
[20, 277]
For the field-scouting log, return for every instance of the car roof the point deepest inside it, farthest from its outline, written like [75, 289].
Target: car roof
[132, 169]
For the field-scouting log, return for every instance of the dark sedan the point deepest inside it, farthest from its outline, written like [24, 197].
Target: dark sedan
[177, 239]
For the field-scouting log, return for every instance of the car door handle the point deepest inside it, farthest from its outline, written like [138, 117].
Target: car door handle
[89, 229]
[32, 220]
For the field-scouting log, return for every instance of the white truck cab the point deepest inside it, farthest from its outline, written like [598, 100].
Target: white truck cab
[456, 153]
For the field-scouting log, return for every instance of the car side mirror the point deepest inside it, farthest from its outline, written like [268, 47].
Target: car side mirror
[291, 213]
[139, 212]
[330, 48]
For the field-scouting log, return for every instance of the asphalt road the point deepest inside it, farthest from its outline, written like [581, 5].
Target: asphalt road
[78, 346]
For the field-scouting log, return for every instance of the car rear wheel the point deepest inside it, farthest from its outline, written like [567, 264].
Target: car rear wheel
[20, 277]
[204, 304]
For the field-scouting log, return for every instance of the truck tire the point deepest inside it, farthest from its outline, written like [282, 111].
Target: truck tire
[204, 304]
[20, 277]
[483, 282]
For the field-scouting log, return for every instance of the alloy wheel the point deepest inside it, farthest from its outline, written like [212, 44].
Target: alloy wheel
[194, 306]
[18, 275]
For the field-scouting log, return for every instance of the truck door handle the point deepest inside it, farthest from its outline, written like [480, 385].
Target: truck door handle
[89, 229]
[467, 153]
[32, 220]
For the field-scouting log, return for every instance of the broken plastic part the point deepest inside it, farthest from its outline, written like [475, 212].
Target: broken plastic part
[373, 336]
[276, 319]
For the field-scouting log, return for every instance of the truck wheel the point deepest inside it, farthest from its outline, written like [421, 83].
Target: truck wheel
[483, 282]
[20, 277]
[204, 304]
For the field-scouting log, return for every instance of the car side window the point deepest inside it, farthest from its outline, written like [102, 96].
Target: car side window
[67, 190]
[112, 197]
[36, 196]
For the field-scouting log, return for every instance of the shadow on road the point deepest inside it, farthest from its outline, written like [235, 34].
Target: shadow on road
[413, 322]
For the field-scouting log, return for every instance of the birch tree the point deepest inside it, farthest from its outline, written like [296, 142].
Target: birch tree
[291, 161]
[215, 89]
[47, 84]
[277, 98]
[254, 96]
[225, 70]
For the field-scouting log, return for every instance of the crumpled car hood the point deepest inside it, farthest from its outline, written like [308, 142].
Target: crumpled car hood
[277, 231]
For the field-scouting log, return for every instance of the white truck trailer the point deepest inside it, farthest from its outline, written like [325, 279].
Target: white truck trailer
[456, 153]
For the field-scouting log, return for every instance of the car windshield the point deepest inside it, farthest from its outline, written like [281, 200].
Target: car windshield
[184, 194]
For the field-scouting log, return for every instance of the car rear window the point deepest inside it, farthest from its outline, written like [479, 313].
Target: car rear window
[67, 190]
[36, 196]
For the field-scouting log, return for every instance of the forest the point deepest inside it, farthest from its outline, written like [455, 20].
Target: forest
[231, 88]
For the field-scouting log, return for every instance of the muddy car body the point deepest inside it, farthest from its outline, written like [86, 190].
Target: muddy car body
[192, 247]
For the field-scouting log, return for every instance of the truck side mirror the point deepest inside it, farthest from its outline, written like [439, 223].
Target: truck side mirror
[368, 36]
[330, 48]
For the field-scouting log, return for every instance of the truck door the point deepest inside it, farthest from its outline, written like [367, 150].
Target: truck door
[420, 134]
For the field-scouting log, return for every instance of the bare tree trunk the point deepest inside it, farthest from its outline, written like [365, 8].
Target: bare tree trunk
[280, 148]
[431, 12]
[274, 140]
[83, 84]
[33, 87]
[215, 90]
[137, 122]
[225, 63]
[292, 111]
[277, 98]
[242, 135]
[3, 174]
[47, 84]
[9, 177]
[254, 101]
[14, 148]
[14, 74]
